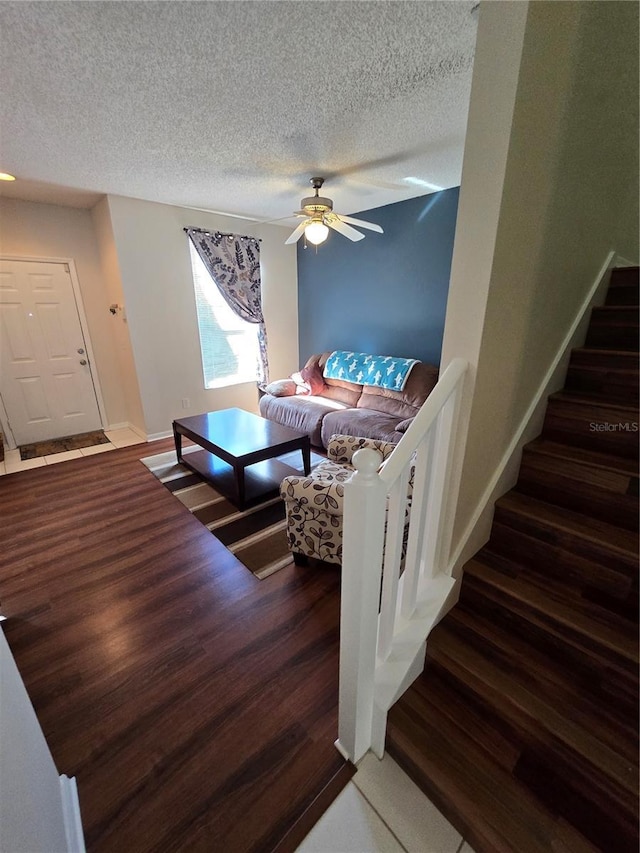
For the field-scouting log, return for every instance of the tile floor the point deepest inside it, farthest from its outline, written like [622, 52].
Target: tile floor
[117, 438]
[382, 811]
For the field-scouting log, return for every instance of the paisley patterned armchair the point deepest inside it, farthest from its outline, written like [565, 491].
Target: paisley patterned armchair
[314, 504]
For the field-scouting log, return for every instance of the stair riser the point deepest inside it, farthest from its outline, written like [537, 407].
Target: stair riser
[599, 428]
[603, 383]
[555, 541]
[623, 295]
[615, 314]
[607, 359]
[612, 336]
[609, 678]
[581, 579]
[547, 676]
[592, 492]
[555, 784]
[624, 276]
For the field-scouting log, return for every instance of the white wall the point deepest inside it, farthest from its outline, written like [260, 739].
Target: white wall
[154, 263]
[35, 230]
[549, 188]
[31, 810]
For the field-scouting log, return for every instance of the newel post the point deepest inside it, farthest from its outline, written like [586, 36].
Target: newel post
[363, 532]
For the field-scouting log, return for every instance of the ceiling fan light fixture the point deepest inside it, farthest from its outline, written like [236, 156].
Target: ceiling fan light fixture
[319, 216]
[316, 232]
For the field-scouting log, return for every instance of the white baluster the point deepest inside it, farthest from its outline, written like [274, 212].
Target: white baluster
[392, 558]
[411, 577]
[363, 532]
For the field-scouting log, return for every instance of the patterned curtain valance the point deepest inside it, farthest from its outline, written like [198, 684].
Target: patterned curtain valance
[233, 262]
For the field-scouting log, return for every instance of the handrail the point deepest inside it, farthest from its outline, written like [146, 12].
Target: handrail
[397, 526]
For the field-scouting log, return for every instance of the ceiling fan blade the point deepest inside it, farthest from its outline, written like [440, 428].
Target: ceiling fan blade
[344, 229]
[279, 219]
[297, 234]
[370, 225]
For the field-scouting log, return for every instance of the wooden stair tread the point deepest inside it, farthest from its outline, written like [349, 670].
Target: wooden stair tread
[606, 308]
[545, 673]
[579, 399]
[625, 372]
[593, 458]
[506, 690]
[549, 609]
[614, 538]
[492, 809]
[627, 355]
[558, 467]
[523, 726]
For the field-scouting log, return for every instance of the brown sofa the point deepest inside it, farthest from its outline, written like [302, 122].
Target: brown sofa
[333, 406]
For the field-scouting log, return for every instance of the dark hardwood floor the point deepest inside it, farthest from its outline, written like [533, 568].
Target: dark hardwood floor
[195, 705]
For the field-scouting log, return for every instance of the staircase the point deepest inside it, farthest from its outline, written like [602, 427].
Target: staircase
[523, 727]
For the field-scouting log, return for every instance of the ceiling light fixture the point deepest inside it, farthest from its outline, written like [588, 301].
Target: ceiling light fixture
[316, 232]
[5, 176]
[319, 217]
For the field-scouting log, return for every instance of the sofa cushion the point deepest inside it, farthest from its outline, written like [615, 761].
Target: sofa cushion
[309, 380]
[403, 404]
[366, 423]
[403, 426]
[336, 389]
[281, 388]
[304, 414]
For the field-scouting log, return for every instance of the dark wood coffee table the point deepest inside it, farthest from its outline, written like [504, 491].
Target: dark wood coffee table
[240, 451]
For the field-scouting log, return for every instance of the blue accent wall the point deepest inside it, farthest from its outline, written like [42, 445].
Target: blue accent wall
[386, 294]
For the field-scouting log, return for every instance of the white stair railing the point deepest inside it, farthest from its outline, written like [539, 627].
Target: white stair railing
[387, 612]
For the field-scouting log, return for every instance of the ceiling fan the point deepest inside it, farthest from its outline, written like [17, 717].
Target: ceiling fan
[319, 217]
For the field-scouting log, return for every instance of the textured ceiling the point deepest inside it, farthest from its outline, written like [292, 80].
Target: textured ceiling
[233, 106]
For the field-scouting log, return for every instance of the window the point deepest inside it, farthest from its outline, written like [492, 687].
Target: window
[229, 345]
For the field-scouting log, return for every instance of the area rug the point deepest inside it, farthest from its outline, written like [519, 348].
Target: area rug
[257, 536]
[59, 445]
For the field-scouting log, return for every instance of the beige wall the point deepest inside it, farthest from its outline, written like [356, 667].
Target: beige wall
[131, 413]
[566, 170]
[154, 263]
[35, 230]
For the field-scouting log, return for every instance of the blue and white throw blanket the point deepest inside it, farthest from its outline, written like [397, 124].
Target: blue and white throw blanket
[383, 371]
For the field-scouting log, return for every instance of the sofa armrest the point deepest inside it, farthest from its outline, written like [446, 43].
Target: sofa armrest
[342, 447]
[325, 495]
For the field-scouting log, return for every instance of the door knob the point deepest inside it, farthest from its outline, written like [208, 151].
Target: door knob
[80, 351]
[83, 361]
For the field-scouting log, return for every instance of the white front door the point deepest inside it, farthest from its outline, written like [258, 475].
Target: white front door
[45, 376]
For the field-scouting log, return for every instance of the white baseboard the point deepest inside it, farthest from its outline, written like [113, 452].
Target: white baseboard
[71, 814]
[506, 474]
[128, 425]
[138, 431]
[156, 436]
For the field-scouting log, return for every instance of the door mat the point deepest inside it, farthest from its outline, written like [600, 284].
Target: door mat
[59, 445]
[257, 536]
